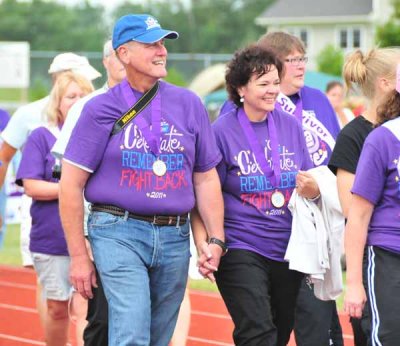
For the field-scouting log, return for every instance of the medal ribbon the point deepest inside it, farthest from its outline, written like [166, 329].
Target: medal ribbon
[151, 132]
[273, 174]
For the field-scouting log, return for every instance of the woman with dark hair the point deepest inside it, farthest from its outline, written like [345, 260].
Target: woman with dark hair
[263, 151]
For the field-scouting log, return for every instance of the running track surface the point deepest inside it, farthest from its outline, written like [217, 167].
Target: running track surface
[19, 320]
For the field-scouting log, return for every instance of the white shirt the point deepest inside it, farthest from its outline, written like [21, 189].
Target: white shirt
[74, 113]
[316, 241]
[25, 119]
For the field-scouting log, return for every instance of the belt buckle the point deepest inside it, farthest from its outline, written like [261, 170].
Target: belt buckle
[170, 220]
[154, 220]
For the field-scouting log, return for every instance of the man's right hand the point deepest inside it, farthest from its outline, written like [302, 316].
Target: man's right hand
[208, 261]
[82, 275]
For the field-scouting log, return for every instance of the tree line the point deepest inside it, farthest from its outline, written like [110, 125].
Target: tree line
[208, 26]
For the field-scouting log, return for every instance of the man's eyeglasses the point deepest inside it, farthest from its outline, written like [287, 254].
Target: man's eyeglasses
[296, 61]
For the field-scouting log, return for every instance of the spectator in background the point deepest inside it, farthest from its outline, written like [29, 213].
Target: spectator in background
[25, 119]
[357, 104]
[335, 93]
[4, 118]
[96, 331]
[47, 242]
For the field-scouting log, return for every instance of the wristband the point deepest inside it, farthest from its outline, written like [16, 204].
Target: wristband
[220, 243]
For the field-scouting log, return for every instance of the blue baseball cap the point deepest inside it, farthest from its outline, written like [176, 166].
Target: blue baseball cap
[141, 28]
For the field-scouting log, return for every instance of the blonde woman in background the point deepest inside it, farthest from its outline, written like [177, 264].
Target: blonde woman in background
[47, 242]
[374, 75]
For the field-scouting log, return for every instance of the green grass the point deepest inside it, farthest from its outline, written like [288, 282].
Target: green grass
[10, 253]
[203, 285]
[11, 94]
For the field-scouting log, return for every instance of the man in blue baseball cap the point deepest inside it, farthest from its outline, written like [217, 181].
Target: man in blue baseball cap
[140, 28]
[144, 154]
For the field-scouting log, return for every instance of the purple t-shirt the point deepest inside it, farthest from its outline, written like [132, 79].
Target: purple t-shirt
[46, 235]
[316, 104]
[122, 164]
[252, 222]
[4, 119]
[378, 180]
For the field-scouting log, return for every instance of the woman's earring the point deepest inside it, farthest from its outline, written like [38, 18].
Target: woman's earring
[241, 99]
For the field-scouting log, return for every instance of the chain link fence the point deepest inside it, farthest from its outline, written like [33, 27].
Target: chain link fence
[183, 66]
[186, 65]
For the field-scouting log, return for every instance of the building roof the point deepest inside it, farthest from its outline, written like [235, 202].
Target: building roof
[317, 8]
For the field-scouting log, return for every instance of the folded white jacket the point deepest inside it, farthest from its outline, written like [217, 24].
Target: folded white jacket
[316, 241]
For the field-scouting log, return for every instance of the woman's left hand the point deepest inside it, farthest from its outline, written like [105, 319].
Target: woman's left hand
[306, 185]
[354, 300]
[208, 260]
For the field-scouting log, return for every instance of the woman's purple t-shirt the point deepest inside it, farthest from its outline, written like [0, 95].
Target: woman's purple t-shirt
[251, 220]
[378, 180]
[122, 163]
[46, 235]
[317, 105]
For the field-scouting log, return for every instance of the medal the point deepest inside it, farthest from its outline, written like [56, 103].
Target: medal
[159, 168]
[278, 199]
[274, 172]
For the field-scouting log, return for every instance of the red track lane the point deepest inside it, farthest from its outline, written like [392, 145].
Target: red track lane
[20, 326]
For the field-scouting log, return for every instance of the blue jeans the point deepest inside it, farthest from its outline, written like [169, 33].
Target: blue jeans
[144, 271]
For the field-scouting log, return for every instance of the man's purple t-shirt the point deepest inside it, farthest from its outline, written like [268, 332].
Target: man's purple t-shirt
[251, 220]
[378, 180]
[318, 106]
[122, 164]
[46, 235]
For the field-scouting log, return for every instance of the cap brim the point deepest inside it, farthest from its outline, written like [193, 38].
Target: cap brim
[156, 35]
[88, 71]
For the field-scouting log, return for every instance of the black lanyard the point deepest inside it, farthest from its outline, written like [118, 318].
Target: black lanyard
[132, 112]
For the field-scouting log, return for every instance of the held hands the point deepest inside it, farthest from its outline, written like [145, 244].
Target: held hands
[306, 185]
[355, 300]
[82, 275]
[208, 261]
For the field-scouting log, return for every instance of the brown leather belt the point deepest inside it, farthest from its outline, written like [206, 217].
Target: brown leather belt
[159, 220]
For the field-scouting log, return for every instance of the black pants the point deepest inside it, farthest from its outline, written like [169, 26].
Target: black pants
[317, 321]
[96, 331]
[360, 338]
[260, 295]
[384, 296]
